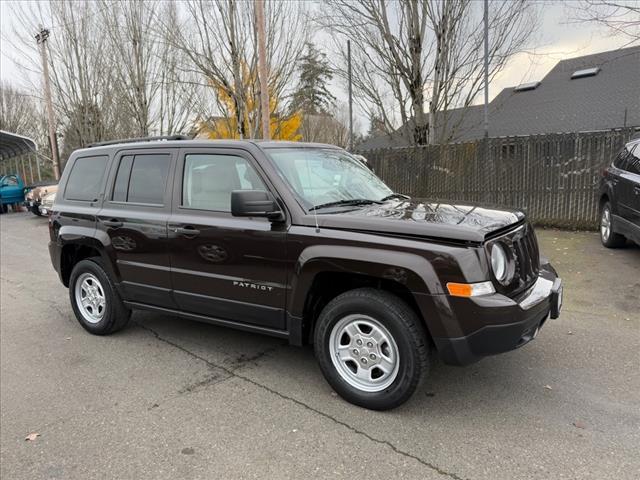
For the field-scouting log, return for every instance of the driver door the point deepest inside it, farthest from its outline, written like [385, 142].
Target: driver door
[222, 266]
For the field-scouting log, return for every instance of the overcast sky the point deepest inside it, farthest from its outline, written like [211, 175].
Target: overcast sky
[557, 39]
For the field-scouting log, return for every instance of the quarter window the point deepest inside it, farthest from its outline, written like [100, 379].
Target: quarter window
[142, 179]
[85, 178]
[209, 180]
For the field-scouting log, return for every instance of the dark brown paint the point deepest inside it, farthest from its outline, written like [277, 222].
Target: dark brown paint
[257, 274]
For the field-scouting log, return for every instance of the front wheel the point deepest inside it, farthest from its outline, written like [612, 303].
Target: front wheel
[609, 238]
[371, 348]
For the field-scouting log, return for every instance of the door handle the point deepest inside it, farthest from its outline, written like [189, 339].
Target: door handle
[187, 231]
[113, 222]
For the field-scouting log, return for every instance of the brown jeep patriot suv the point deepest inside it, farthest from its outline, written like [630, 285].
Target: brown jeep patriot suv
[299, 241]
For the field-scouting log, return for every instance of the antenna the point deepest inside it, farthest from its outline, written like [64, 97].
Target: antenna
[315, 217]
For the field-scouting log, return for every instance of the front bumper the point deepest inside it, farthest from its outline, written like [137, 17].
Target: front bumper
[507, 323]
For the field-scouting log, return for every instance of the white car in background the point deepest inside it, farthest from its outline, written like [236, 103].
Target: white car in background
[47, 203]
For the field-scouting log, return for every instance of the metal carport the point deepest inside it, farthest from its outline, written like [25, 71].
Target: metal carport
[13, 146]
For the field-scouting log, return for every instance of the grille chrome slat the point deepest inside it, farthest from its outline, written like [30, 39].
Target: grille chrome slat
[526, 251]
[524, 248]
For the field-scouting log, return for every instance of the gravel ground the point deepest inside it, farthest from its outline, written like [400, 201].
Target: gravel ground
[170, 398]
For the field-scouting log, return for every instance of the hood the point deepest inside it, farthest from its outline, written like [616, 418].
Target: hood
[452, 221]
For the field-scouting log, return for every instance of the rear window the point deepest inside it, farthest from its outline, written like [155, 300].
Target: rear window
[85, 178]
[142, 179]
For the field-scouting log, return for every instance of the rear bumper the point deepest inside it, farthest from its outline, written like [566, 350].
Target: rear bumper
[508, 324]
[55, 253]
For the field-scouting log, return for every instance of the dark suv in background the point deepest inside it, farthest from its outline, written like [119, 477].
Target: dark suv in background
[620, 198]
[303, 242]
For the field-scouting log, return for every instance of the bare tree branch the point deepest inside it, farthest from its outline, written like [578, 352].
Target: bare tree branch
[414, 60]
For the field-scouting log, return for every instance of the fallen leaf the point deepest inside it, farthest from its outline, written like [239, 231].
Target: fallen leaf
[32, 437]
[334, 394]
[68, 338]
[579, 424]
[548, 387]
[294, 430]
[569, 332]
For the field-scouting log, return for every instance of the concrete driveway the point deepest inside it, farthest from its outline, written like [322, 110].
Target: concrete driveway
[170, 398]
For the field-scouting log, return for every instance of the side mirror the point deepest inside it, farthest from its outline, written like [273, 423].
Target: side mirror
[254, 203]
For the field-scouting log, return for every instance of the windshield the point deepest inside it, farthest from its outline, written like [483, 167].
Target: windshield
[324, 176]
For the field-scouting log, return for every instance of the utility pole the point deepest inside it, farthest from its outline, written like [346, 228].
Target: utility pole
[349, 80]
[262, 69]
[35, 157]
[41, 38]
[486, 68]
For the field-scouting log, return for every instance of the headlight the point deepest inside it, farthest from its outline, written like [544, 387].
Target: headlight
[499, 262]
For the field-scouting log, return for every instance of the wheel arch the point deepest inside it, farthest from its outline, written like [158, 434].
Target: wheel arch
[322, 273]
[75, 248]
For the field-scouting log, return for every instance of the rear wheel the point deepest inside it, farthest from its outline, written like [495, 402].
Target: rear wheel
[609, 238]
[371, 348]
[94, 299]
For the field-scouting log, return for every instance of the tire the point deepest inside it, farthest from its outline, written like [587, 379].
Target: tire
[608, 237]
[105, 313]
[386, 337]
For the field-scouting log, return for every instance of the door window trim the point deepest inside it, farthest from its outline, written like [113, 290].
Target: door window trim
[176, 203]
[113, 174]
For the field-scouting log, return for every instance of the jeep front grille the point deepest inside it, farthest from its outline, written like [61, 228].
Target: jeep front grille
[523, 246]
[527, 256]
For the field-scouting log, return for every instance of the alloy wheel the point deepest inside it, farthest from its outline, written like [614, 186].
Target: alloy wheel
[90, 298]
[605, 224]
[364, 353]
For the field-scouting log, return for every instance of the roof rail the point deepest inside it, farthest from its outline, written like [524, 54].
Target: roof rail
[142, 139]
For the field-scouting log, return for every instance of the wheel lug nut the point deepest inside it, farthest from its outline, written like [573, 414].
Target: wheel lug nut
[356, 352]
[364, 360]
[372, 356]
[369, 344]
[359, 342]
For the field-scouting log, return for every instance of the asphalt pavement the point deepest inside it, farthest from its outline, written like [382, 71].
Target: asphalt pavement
[174, 399]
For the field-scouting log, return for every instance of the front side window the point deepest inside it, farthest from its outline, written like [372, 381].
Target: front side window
[320, 176]
[209, 180]
[142, 179]
[85, 179]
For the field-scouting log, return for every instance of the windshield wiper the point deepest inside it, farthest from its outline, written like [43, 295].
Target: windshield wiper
[347, 202]
[395, 195]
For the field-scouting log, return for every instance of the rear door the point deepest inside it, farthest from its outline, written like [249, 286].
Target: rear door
[134, 217]
[225, 267]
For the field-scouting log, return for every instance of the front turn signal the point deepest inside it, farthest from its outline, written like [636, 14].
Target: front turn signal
[470, 289]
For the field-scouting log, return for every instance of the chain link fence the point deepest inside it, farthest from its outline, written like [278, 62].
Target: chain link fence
[554, 178]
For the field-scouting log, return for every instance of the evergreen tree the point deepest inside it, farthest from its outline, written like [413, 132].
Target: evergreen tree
[311, 95]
